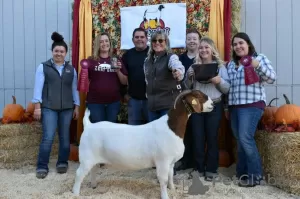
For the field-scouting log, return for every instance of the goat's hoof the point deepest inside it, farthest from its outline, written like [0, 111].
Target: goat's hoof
[92, 185]
[75, 193]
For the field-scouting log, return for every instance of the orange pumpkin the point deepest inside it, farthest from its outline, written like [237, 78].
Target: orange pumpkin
[287, 113]
[13, 112]
[224, 158]
[30, 108]
[268, 117]
[27, 117]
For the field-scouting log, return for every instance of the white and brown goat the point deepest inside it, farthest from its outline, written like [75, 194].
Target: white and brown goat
[127, 147]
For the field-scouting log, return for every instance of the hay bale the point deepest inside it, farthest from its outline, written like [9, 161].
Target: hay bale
[10, 130]
[19, 144]
[280, 153]
[20, 155]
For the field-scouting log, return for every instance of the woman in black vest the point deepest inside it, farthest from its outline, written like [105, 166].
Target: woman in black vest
[163, 71]
[56, 101]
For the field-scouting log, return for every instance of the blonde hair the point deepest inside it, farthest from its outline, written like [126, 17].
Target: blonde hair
[96, 48]
[215, 52]
[154, 36]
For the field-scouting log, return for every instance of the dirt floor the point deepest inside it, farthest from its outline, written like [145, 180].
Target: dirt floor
[22, 184]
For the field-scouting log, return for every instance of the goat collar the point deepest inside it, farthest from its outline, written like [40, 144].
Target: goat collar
[188, 107]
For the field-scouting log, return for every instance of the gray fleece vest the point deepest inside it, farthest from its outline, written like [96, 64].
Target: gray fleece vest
[161, 88]
[57, 91]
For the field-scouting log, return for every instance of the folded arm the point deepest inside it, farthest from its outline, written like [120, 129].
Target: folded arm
[265, 69]
[224, 85]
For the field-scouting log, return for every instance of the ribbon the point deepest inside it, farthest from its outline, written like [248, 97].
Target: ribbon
[83, 83]
[250, 75]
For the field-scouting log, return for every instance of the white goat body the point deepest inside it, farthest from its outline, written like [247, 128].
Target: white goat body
[129, 147]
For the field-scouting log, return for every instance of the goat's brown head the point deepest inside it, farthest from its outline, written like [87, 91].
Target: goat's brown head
[194, 101]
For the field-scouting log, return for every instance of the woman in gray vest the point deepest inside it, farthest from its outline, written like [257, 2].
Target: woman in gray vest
[163, 71]
[56, 101]
[205, 126]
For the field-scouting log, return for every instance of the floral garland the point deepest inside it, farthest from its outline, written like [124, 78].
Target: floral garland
[106, 17]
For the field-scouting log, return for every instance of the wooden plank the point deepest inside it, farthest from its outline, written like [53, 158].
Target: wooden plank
[8, 39]
[243, 15]
[2, 102]
[70, 27]
[8, 93]
[20, 96]
[29, 33]
[271, 92]
[287, 90]
[1, 51]
[28, 95]
[284, 42]
[18, 44]
[63, 25]
[253, 16]
[268, 31]
[40, 31]
[296, 95]
[51, 23]
[296, 40]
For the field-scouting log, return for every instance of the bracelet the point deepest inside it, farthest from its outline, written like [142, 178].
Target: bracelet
[37, 109]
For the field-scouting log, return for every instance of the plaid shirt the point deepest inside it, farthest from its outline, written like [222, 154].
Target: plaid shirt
[239, 93]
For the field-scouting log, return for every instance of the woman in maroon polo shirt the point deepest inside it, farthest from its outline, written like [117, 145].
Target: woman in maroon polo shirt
[104, 95]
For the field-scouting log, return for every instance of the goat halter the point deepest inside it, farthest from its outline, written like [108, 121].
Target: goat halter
[188, 107]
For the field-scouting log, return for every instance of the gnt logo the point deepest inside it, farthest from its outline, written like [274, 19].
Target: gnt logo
[197, 187]
[153, 22]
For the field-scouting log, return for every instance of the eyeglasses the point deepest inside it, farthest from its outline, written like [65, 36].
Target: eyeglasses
[158, 40]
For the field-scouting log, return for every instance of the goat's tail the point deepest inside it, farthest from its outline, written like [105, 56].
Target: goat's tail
[86, 118]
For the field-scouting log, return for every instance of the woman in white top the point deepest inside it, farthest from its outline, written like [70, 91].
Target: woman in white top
[205, 126]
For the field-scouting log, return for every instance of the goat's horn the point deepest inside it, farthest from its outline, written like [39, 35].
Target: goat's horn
[180, 95]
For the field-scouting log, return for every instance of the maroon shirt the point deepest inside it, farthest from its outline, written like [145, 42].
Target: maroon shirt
[104, 83]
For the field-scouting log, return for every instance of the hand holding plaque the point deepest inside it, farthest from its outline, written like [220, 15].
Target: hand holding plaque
[205, 72]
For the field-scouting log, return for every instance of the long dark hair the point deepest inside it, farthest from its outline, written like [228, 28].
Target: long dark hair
[245, 37]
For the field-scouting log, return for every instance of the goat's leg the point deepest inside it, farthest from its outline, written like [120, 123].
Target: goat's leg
[81, 172]
[170, 178]
[162, 170]
[93, 177]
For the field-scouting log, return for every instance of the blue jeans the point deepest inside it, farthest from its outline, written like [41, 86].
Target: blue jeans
[244, 123]
[137, 111]
[104, 112]
[50, 121]
[205, 128]
[154, 115]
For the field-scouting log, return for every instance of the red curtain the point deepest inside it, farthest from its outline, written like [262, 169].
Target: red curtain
[75, 35]
[75, 58]
[227, 29]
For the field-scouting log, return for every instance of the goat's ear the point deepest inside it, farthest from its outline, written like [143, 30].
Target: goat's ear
[197, 105]
[200, 96]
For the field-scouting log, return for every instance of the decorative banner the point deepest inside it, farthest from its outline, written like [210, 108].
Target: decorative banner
[106, 17]
[170, 17]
